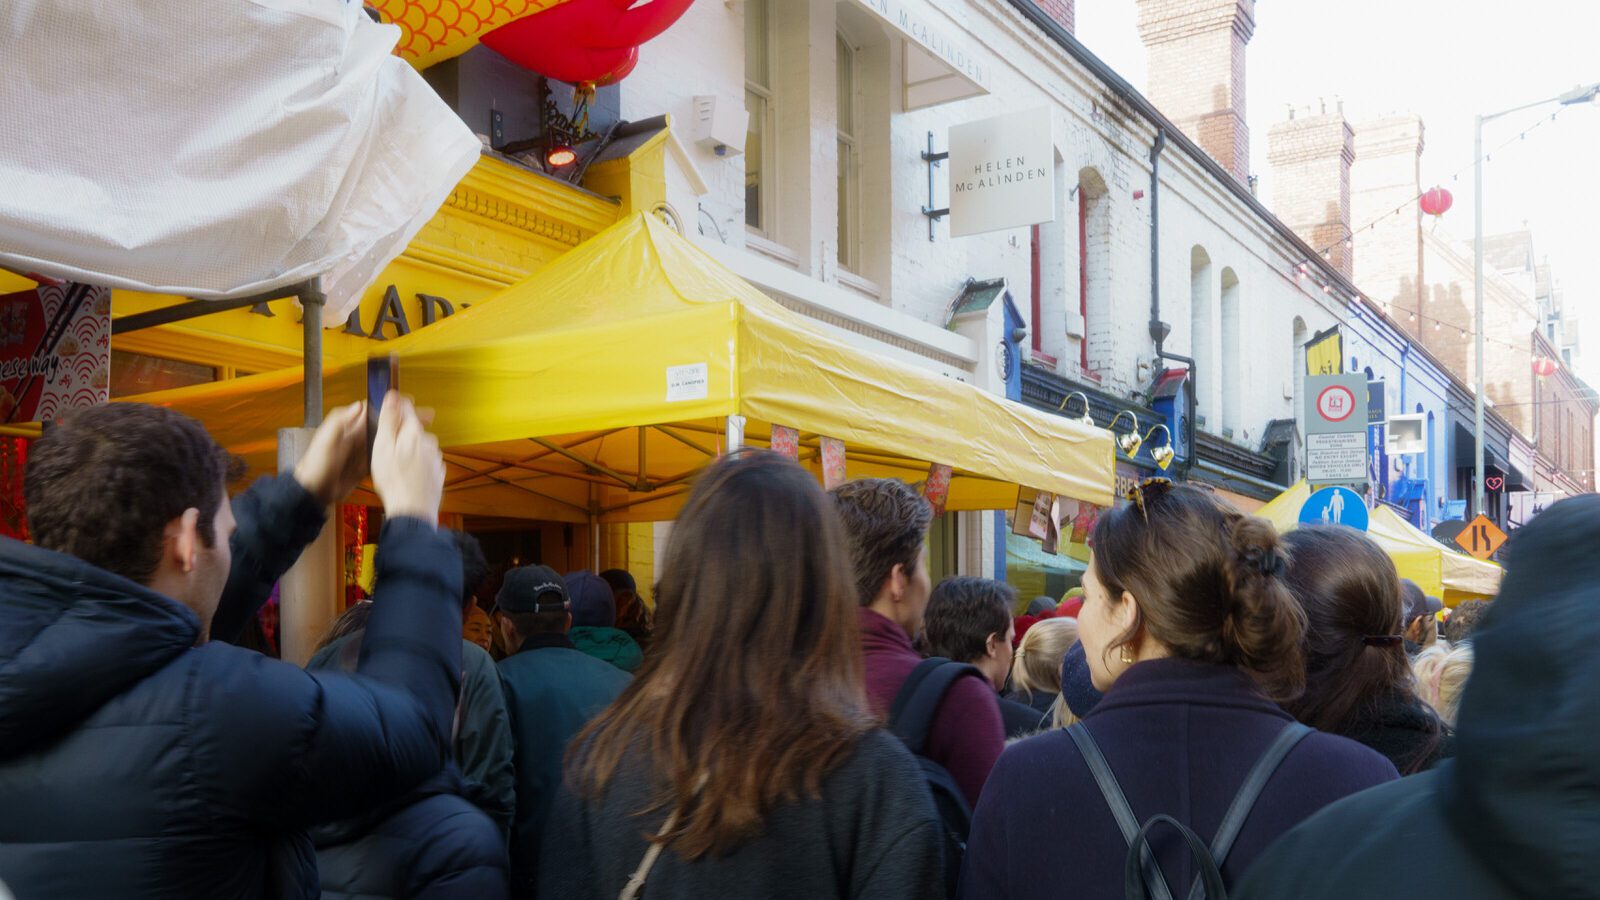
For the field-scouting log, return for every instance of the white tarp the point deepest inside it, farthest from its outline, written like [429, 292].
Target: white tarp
[208, 148]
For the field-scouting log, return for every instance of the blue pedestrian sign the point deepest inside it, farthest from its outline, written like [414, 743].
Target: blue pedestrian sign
[1335, 506]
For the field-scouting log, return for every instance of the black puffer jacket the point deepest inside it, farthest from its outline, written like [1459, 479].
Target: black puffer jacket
[134, 764]
[1513, 814]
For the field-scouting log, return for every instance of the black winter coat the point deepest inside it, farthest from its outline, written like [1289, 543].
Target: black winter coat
[1513, 814]
[134, 764]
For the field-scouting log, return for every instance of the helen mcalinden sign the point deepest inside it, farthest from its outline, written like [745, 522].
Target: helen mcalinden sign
[1002, 173]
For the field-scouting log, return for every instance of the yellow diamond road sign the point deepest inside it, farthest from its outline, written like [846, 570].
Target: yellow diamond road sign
[1481, 537]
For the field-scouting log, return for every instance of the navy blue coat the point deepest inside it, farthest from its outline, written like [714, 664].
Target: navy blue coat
[1180, 737]
[134, 764]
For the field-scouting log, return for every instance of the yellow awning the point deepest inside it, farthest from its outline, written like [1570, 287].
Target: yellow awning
[1439, 571]
[602, 383]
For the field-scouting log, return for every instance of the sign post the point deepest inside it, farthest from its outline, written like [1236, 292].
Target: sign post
[1336, 429]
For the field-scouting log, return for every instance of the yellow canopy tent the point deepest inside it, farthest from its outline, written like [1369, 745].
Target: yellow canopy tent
[598, 386]
[1438, 570]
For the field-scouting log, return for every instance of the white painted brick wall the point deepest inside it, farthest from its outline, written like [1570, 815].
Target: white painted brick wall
[703, 54]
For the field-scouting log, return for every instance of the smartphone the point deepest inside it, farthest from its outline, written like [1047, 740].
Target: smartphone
[383, 376]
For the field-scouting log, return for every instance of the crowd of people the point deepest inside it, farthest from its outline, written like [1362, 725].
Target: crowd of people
[1219, 711]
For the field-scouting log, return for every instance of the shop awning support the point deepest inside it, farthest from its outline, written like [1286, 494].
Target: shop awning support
[312, 300]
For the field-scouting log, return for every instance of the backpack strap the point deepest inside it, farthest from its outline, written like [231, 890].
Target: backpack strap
[911, 714]
[1120, 810]
[1209, 879]
[1249, 793]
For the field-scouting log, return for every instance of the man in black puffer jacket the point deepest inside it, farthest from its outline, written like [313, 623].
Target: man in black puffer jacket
[139, 760]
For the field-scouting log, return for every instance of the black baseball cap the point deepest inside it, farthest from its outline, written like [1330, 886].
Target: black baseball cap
[532, 589]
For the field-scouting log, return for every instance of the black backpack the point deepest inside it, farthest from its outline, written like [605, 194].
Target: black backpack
[910, 720]
[1142, 876]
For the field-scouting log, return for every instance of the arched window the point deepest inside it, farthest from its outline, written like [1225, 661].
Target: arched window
[1232, 356]
[1203, 338]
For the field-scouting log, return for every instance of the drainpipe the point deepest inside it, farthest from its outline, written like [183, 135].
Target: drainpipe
[1159, 329]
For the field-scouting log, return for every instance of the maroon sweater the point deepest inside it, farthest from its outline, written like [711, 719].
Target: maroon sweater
[967, 735]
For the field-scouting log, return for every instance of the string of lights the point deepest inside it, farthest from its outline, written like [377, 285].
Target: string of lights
[1349, 239]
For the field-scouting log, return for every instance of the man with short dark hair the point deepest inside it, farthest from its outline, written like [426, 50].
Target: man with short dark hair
[1464, 620]
[140, 760]
[553, 690]
[887, 525]
[969, 621]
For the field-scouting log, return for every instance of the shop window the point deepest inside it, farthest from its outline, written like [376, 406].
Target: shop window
[135, 373]
[759, 147]
[1232, 356]
[1203, 336]
[1094, 272]
[849, 174]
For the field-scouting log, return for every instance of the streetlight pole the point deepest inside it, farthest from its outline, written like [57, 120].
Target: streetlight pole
[1583, 94]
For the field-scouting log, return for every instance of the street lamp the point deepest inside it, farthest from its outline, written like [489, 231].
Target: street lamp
[1581, 94]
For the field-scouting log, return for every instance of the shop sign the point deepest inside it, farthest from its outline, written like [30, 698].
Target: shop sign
[1002, 173]
[1336, 429]
[390, 318]
[55, 351]
[939, 67]
[1325, 353]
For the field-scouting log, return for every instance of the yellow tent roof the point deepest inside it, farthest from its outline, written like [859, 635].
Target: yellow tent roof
[1438, 570]
[553, 397]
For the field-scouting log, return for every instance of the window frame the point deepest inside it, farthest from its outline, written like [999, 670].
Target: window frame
[848, 165]
[766, 185]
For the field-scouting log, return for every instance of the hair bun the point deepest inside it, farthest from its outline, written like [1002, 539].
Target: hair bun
[1256, 548]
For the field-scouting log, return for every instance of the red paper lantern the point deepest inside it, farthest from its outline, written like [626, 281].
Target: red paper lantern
[1436, 202]
[1544, 367]
[595, 41]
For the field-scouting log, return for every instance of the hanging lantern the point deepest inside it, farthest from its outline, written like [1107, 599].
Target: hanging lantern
[1544, 367]
[585, 40]
[1163, 454]
[1086, 418]
[1436, 201]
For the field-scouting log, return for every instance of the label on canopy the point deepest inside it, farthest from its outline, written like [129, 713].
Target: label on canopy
[688, 383]
[833, 463]
[937, 489]
[786, 441]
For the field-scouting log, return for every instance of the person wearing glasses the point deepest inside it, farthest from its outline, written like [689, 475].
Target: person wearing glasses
[1190, 631]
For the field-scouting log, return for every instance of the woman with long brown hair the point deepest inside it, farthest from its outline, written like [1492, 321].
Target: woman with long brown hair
[1359, 682]
[1189, 629]
[742, 760]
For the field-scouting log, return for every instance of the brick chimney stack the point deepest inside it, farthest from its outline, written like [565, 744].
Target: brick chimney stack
[1386, 177]
[1196, 50]
[1063, 11]
[1310, 157]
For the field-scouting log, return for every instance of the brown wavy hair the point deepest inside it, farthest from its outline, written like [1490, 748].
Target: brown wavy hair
[754, 676]
[1355, 657]
[1209, 583]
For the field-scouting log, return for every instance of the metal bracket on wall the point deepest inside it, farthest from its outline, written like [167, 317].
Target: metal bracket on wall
[933, 159]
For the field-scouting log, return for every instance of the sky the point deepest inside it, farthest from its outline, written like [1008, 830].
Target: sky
[1446, 60]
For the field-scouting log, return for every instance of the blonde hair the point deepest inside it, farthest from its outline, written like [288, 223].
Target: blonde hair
[1036, 667]
[1441, 672]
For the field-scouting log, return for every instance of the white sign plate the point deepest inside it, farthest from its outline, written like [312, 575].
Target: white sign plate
[1002, 173]
[688, 383]
[1336, 458]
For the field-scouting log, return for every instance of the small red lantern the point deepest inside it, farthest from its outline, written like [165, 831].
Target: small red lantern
[1544, 367]
[1436, 202]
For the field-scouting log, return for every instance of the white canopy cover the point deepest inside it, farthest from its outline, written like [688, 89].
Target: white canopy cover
[213, 148]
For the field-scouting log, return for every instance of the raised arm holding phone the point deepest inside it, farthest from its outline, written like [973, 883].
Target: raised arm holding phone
[187, 767]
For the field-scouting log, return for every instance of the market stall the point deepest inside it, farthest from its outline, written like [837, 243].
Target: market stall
[595, 390]
[1438, 570]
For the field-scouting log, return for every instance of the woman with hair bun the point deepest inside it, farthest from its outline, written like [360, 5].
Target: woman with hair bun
[1358, 679]
[1190, 630]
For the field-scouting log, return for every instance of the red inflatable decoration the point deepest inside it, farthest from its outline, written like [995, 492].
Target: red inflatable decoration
[594, 41]
[1436, 202]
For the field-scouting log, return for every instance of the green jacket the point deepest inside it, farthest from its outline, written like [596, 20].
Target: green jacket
[613, 645]
[553, 690]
